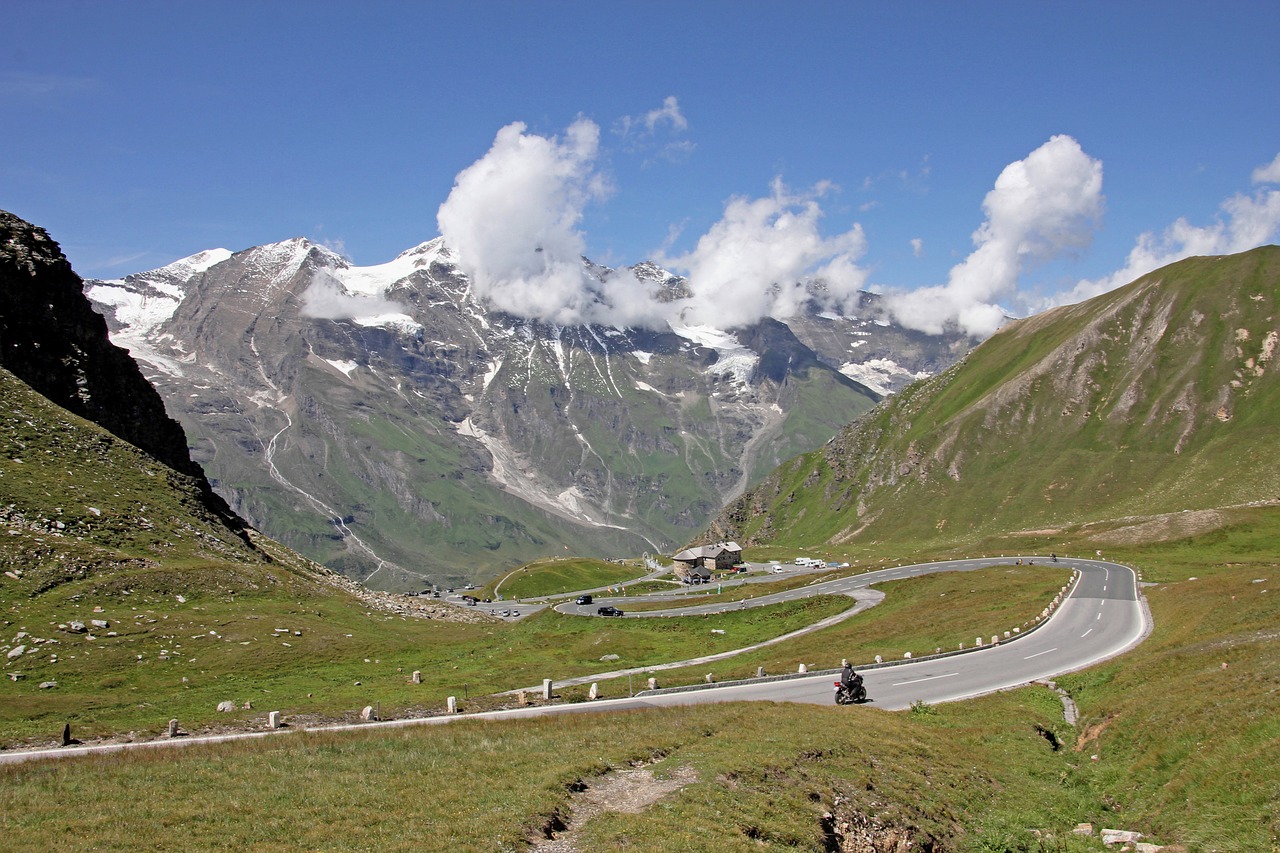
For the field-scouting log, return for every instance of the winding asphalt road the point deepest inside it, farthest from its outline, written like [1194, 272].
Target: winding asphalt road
[1102, 616]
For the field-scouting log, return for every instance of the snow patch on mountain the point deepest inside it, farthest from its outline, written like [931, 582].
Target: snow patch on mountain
[734, 359]
[344, 366]
[378, 280]
[193, 265]
[881, 375]
[396, 322]
[136, 312]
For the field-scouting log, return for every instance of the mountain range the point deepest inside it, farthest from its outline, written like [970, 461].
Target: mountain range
[1134, 416]
[383, 421]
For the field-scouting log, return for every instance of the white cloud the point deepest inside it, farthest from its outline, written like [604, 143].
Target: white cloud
[326, 299]
[1246, 222]
[1040, 207]
[760, 258]
[513, 219]
[640, 134]
[1268, 174]
[917, 247]
[668, 113]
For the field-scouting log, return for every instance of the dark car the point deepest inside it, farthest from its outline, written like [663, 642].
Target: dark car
[583, 599]
[609, 611]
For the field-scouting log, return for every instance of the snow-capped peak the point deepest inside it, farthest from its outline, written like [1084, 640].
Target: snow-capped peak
[379, 279]
[197, 263]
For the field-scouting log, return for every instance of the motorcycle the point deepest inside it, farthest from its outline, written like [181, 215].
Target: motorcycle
[851, 694]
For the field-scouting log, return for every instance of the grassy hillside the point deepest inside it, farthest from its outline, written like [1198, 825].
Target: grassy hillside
[559, 576]
[1159, 397]
[1171, 743]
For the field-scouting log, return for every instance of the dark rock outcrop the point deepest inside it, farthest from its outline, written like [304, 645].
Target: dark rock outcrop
[51, 339]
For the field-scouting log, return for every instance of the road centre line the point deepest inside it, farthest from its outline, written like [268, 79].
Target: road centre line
[927, 678]
[1086, 633]
[1037, 654]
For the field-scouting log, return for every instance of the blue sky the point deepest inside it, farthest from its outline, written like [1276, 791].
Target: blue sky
[979, 155]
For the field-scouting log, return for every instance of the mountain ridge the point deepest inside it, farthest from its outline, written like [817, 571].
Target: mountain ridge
[1155, 398]
[336, 405]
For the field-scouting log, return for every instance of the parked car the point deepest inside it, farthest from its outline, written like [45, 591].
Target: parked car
[583, 599]
[609, 611]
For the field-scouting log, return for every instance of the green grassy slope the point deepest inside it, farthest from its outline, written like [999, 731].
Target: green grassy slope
[1159, 397]
[1171, 743]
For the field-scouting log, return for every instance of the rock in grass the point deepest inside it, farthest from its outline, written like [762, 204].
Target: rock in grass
[226, 706]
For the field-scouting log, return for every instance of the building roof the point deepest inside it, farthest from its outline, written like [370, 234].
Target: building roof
[707, 551]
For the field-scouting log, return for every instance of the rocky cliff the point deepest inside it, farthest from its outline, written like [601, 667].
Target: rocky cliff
[53, 340]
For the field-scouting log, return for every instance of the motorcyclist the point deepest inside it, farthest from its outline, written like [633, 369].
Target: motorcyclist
[849, 687]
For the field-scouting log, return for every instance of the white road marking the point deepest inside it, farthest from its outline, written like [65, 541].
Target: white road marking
[1086, 633]
[1037, 654]
[1099, 617]
[929, 678]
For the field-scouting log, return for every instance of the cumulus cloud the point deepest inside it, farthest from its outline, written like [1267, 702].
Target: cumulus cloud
[326, 299]
[1245, 222]
[514, 220]
[917, 247]
[763, 258]
[1040, 207]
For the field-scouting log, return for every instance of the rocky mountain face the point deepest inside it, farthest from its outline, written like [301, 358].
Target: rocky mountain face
[1150, 406]
[384, 422]
[52, 340]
